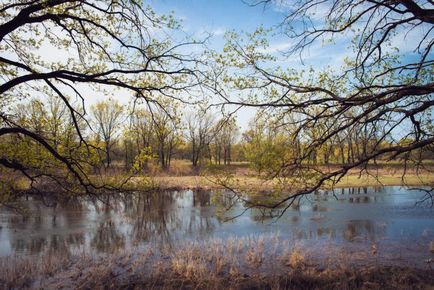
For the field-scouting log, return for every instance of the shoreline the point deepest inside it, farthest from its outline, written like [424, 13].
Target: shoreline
[248, 183]
[232, 263]
[263, 262]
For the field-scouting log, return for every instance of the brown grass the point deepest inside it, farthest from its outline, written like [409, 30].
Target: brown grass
[183, 176]
[234, 263]
[249, 183]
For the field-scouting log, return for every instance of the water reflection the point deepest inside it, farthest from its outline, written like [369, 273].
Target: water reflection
[119, 222]
[359, 228]
[107, 238]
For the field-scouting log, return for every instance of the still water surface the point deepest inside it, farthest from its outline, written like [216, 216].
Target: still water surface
[351, 218]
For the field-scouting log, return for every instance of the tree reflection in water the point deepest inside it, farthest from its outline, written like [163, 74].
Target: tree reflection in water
[107, 238]
[114, 223]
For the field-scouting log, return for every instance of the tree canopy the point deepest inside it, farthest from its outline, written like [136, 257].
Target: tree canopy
[379, 98]
[374, 103]
[71, 50]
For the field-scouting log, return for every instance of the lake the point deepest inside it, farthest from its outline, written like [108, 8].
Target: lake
[385, 218]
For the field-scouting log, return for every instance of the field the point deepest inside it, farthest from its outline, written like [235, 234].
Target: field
[183, 176]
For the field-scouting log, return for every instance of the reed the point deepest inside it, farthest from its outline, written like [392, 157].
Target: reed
[260, 262]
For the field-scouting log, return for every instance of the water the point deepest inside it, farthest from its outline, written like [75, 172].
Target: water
[353, 219]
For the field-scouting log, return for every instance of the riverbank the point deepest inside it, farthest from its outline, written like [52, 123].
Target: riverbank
[234, 263]
[242, 178]
[248, 183]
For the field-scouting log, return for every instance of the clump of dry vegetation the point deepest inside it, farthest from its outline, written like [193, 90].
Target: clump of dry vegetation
[233, 263]
[295, 259]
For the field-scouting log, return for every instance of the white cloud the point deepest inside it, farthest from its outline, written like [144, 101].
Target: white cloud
[207, 30]
[276, 47]
[406, 41]
[218, 31]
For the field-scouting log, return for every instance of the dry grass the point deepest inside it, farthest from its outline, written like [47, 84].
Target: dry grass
[234, 263]
[183, 176]
[296, 259]
[19, 272]
[248, 182]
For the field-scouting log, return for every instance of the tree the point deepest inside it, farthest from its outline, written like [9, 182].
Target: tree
[267, 144]
[108, 117]
[143, 127]
[157, 129]
[225, 135]
[378, 93]
[47, 119]
[167, 127]
[71, 49]
[139, 136]
[199, 134]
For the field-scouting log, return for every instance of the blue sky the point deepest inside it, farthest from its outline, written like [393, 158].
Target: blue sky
[219, 16]
[215, 15]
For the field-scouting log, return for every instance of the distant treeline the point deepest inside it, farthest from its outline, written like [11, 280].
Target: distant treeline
[113, 135]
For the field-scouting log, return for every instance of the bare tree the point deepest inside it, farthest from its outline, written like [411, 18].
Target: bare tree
[167, 127]
[108, 117]
[225, 135]
[200, 134]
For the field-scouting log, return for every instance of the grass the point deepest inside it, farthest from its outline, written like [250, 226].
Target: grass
[183, 176]
[410, 179]
[249, 182]
[262, 262]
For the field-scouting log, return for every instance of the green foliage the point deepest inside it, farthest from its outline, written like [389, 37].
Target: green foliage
[265, 146]
[141, 160]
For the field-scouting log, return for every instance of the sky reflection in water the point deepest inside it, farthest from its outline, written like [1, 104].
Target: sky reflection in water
[354, 217]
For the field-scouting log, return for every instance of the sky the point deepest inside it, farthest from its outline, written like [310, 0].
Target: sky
[199, 17]
[219, 16]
